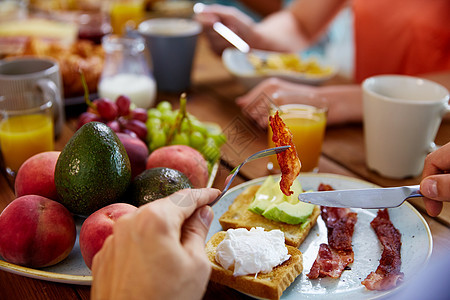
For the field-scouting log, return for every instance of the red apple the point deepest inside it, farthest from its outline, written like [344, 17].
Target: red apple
[137, 152]
[36, 232]
[36, 176]
[98, 226]
[183, 158]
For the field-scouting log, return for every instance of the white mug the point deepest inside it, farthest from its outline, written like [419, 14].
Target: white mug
[402, 115]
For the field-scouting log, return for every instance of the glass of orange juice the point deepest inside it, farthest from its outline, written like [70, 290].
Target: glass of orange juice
[25, 130]
[307, 124]
[126, 13]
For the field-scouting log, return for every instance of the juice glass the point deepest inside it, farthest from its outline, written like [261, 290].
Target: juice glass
[307, 124]
[24, 132]
[126, 13]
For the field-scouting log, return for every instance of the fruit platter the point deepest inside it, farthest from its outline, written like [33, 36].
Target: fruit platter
[120, 157]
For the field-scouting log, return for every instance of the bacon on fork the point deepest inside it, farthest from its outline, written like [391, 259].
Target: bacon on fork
[288, 160]
[335, 256]
[388, 273]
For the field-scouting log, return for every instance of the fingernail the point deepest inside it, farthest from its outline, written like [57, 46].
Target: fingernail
[430, 188]
[206, 215]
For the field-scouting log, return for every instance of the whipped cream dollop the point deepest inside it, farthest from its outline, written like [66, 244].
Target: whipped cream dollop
[252, 251]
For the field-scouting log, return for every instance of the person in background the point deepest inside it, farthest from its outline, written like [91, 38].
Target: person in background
[410, 37]
[157, 252]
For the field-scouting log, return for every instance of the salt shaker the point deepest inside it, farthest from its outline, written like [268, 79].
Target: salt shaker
[126, 71]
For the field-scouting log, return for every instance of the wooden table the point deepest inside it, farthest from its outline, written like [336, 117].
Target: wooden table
[211, 98]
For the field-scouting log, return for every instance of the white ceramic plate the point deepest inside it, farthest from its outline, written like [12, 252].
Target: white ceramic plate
[416, 243]
[238, 64]
[71, 270]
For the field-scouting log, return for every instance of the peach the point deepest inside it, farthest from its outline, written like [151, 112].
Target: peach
[98, 226]
[36, 176]
[137, 152]
[36, 232]
[183, 158]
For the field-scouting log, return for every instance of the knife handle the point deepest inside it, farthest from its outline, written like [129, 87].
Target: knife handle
[415, 191]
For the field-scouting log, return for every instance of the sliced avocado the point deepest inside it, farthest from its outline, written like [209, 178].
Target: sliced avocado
[267, 194]
[297, 189]
[289, 213]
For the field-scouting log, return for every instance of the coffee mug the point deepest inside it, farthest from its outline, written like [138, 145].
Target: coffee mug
[172, 43]
[402, 115]
[40, 76]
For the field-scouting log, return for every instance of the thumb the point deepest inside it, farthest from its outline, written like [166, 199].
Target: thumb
[436, 187]
[196, 228]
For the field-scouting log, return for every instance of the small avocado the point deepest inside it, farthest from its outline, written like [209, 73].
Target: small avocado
[289, 213]
[93, 170]
[155, 183]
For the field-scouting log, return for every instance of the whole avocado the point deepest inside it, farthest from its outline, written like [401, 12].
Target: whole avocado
[155, 183]
[93, 170]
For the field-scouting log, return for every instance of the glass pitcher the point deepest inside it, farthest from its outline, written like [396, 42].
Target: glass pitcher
[126, 71]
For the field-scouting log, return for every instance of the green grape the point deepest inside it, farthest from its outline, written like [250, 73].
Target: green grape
[220, 139]
[185, 127]
[168, 117]
[180, 139]
[153, 124]
[164, 106]
[210, 150]
[157, 140]
[197, 140]
[154, 113]
[199, 126]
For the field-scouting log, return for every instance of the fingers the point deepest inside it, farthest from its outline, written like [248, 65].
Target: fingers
[101, 274]
[433, 207]
[437, 161]
[436, 187]
[182, 204]
[196, 228]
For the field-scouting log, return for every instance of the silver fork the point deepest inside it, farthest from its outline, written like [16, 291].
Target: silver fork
[235, 171]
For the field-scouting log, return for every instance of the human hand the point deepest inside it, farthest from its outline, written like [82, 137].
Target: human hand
[158, 251]
[257, 102]
[231, 17]
[435, 184]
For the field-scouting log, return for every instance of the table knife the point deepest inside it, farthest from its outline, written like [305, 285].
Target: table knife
[362, 198]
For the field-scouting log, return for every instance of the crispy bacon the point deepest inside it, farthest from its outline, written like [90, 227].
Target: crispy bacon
[388, 273]
[288, 160]
[335, 256]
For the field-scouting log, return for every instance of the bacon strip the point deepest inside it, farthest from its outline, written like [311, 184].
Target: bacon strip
[333, 258]
[288, 160]
[388, 273]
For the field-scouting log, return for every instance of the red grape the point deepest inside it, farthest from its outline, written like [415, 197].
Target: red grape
[87, 117]
[123, 105]
[137, 127]
[129, 132]
[139, 114]
[106, 108]
[114, 125]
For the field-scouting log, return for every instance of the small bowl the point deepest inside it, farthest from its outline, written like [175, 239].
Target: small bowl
[238, 64]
